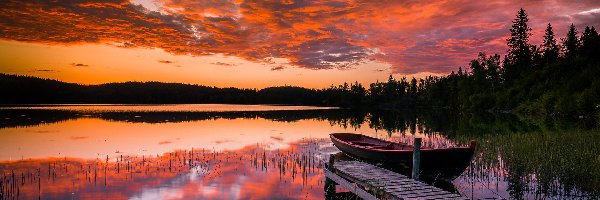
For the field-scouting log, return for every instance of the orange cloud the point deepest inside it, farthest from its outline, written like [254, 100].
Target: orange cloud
[79, 65]
[412, 36]
[165, 61]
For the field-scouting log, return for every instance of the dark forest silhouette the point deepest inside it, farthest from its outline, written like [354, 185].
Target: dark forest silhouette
[553, 78]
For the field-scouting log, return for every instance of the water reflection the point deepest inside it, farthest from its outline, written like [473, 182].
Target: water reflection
[13, 117]
[93, 137]
[159, 107]
[250, 172]
[516, 158]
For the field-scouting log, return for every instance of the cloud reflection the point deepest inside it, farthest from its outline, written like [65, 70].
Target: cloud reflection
[251, 172]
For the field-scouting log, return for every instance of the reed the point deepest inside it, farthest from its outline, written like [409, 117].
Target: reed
[557, 164]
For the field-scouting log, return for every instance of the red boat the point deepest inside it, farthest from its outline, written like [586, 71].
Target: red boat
[442, 163]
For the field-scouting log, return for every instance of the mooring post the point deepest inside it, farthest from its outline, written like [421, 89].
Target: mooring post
[416, 158]
[331, 162]
[329, 185]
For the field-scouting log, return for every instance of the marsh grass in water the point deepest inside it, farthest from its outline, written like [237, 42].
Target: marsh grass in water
[552, 164]
[298, 168]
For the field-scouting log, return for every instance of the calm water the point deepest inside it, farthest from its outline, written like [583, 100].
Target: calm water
[270, 152]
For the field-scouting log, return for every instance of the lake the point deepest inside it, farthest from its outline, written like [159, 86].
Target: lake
[216, 151]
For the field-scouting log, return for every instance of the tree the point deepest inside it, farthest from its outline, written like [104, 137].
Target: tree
[478, 72]
[519, 52]
[358, 92]
[390, 89]
[493, 70]
[402, 86]
[376, 91]
[549, 47]
[570, 42]
[590, 42]
[484, 72]
[413, 87]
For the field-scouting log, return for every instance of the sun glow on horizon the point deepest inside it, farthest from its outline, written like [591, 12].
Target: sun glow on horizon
[98, 63]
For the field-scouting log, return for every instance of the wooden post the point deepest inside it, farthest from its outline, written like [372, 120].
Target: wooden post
[331, 162]
[416, 158]
[329, 185]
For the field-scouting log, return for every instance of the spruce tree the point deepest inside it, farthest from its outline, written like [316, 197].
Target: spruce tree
[519, 52]
[549, 48]
[570, 43]
[590, 42]
[413, 87]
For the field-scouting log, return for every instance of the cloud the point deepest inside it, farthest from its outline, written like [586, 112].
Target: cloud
[222, 141]
[44, 70]
[410, 36]
[164, 142]
[590, 12]
[277, 138]
[222, 64]
[79, 65]
[165, 61]
[277, 68]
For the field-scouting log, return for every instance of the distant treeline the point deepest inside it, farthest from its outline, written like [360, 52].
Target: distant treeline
[554, 78]
[30, 90]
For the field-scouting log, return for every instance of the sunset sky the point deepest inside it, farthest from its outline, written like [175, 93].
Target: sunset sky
[264, 43]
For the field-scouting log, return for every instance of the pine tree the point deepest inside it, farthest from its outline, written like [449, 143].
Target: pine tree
[477, 66]
[493, 70]
[549, 48]
[570, 43]
[519, 52]
[413, 87]
[590, 42]
[390, 88]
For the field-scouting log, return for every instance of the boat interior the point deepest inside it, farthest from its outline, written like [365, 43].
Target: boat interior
[371, 143]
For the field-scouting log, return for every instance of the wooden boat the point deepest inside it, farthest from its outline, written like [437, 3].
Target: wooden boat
[442, 163]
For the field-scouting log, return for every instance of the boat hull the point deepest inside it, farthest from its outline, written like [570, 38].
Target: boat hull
[447, 163]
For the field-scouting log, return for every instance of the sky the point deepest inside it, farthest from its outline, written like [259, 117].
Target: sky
[257, 44]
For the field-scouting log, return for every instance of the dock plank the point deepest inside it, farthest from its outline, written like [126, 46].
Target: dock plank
[424, 194]
[359, 192]
[359, 175]
[446, 196]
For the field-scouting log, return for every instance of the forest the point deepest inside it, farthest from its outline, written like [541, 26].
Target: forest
[32, 90]
[558, 77]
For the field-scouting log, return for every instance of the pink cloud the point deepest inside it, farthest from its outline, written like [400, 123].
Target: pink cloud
[411, 36]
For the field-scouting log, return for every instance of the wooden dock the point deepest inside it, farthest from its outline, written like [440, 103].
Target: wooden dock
[371, 182]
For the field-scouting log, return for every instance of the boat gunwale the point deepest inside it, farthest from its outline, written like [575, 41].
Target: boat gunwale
[333, 137]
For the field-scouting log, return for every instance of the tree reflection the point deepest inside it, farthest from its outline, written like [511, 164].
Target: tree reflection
[534, 157]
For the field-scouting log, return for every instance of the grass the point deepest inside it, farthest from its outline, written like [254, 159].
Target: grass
[543, 163]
